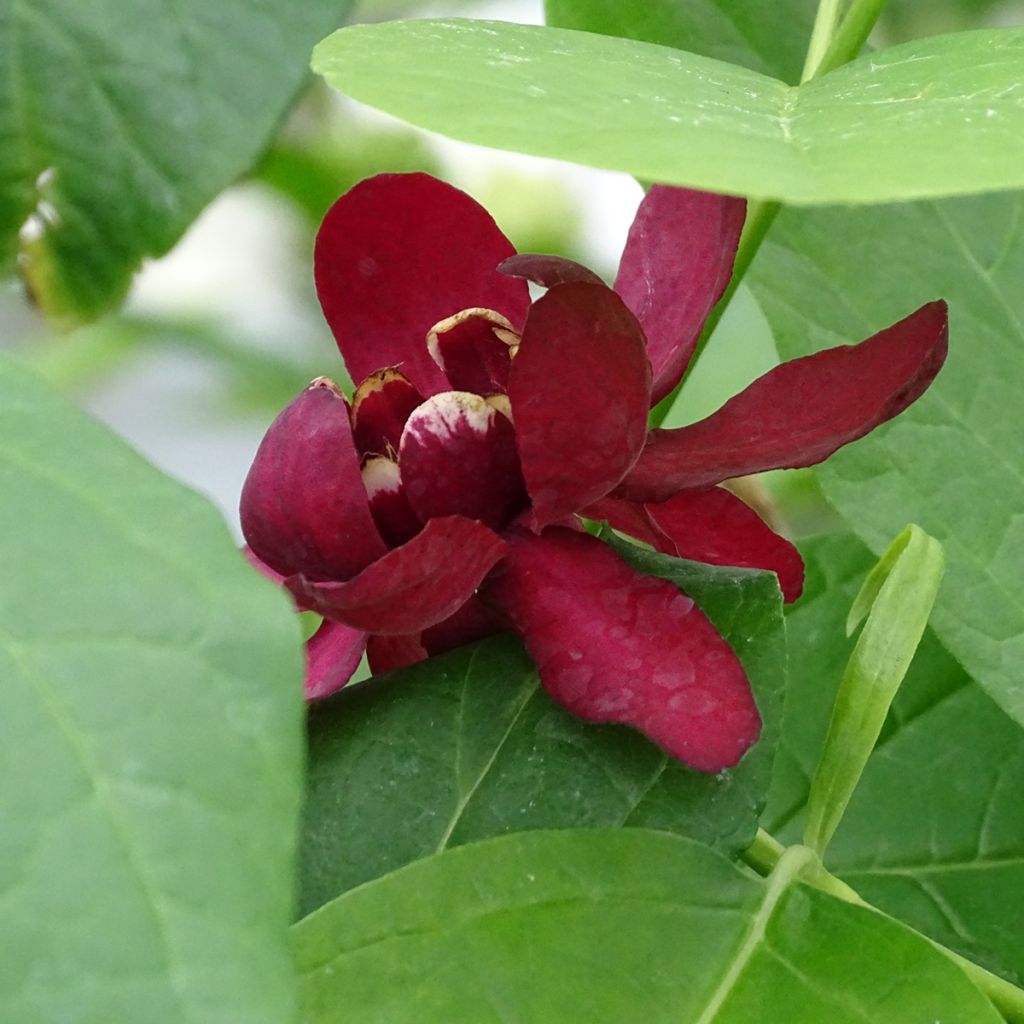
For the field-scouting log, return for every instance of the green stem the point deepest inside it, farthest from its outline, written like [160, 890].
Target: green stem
[821, 37]
[766, 851]
[851, 35]
[843, 46]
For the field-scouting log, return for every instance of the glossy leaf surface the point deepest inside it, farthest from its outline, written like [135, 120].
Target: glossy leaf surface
[150, 722]
[614, 927]
[881, 128]
[467, 746]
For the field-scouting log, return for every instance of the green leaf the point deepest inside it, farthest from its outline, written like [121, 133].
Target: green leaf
[615, 927]
[951, 463]
[468, 746]
[150, 735]
[769, 37]
[933, 833]
[122, 121]
[896, 597]
[881, 128]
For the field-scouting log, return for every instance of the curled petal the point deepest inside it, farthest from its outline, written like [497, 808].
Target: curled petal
[458, 457]
[580, 390]
[677, 262]
[303, 507]
[547, 271]
[799, 413]
[395, 255]
[474, 349]
[381, 405]
[333, 653]
[612, 645]
[412, 587]
[385, 653]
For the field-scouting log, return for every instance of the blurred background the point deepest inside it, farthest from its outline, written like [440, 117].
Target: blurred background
[218, 335]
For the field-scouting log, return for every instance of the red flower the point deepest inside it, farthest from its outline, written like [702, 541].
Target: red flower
[442, 504]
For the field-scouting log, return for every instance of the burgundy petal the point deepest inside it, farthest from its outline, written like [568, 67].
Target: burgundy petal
[333, 653]
[717, 527]
[677, 262]
[303, 508]
[385, 653]
[413, 587]
[580, 390]
[612, 645]
[799, 413]
[546, 270]
[381, 405]
[458, 457]
[395, 255]
[474, 349]
[391, 509]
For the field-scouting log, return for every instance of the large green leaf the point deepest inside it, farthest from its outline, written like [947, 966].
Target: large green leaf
[150, 737]
[953, 462]
[120, 122]
[468, 746]
[769, 36]
[934, 833]
[933, 117]
[615, 927]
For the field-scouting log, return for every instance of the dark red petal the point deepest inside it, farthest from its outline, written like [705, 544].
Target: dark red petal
[333, 653]
[458, 457]
[395, 255]
[381, 405]
[546, 270]
[474, 349]
[580, 390]
[799, 413]
[391, 510]
[717, 527]
[632, 518]
[677, 262]
[612, 645]
[385, 653]
[413, 587]
[303, 508]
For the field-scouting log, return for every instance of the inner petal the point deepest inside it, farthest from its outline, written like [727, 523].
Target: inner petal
[474, 349]
[389, 506]
[458, 457]
[381, 405]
